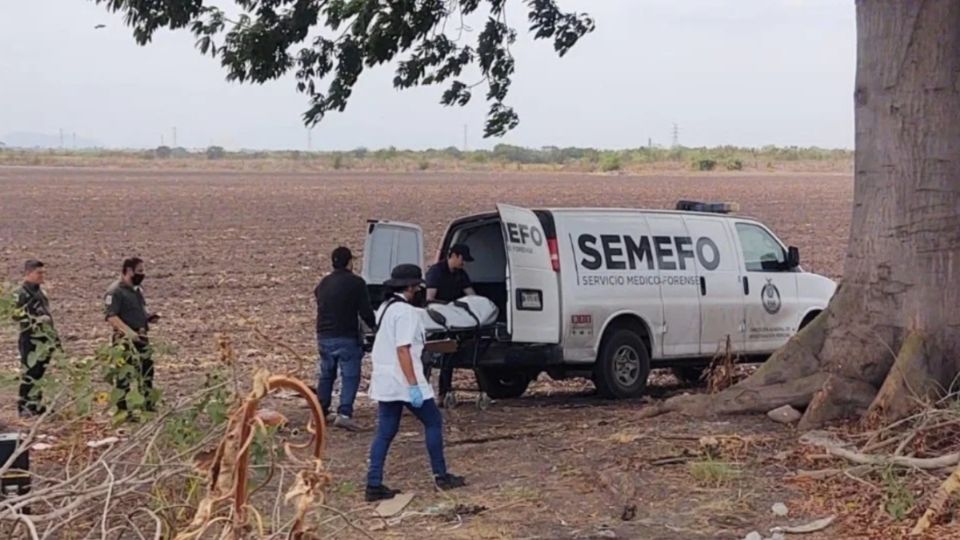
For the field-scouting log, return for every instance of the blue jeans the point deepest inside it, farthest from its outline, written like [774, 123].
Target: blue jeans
[388, 422]
[345, 354]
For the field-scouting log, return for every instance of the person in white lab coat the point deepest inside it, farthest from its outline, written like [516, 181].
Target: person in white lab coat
[397, 382]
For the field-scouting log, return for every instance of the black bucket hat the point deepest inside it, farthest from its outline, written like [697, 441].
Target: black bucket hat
[405, 275]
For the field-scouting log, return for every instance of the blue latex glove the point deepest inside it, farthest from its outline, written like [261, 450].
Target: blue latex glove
[416, 397]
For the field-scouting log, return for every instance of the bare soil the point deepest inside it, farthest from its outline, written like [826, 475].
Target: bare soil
[239, 254]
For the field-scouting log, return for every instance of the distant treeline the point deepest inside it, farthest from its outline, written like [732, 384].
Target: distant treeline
[697, 158]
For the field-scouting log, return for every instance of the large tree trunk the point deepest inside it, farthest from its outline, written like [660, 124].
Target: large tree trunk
[891, 335]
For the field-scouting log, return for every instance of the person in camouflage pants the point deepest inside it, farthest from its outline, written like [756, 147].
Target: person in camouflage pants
[38, 336]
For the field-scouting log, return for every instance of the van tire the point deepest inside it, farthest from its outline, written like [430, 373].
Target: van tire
[503, 383]
[622, 366]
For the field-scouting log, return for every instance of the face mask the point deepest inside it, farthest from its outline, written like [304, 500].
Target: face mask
[138, 279]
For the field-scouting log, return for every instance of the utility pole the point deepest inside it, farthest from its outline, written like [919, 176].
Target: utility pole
[676, 135]
[650, 143]
[74, 140]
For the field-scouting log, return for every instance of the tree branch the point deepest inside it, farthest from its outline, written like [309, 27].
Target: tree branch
[834, 447]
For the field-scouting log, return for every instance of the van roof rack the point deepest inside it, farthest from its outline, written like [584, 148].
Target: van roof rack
[713, 208]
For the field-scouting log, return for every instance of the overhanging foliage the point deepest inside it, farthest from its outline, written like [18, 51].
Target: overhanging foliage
[332, 41]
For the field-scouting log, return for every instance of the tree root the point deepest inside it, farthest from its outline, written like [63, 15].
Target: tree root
[836, 448]
[790, 377]
[839, 397]
[838, 366]
[798, 358]
[946, 489]
[742, 398]
[909, 382]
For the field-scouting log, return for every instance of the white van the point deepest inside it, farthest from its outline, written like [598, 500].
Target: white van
[610, 293]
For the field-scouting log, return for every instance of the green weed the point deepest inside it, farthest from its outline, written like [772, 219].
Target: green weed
[345, 488]
[899, 500]
[713, 473]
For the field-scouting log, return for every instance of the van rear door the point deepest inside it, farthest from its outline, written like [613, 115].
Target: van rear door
[533, 296]
[388, 244]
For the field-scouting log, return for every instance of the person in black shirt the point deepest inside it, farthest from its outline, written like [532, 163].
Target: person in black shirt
[342, 300]
[125, 310]
[447, 280]
[38, 337]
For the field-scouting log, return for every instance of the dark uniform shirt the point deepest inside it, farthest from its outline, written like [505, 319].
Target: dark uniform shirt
[450, 284]
[342, 299]
[127, 302]
[36, 310]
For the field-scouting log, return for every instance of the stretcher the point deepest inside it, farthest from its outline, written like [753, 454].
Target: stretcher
[458, 334]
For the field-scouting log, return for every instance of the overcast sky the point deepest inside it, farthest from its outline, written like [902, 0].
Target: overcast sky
[742, 72]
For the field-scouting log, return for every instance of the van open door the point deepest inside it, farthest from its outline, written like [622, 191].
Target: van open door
[533, 297]
[388, 244]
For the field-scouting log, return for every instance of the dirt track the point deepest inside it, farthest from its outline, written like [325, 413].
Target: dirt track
[230, 252]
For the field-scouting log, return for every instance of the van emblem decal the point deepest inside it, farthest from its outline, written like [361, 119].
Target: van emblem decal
[770, 297]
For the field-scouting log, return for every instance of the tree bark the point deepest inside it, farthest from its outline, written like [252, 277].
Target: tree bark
[890, 337]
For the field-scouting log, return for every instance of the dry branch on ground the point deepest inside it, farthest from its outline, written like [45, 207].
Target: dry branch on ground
[134, 485]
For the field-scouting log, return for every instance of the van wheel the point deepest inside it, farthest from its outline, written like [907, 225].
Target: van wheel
[503, 383]
[623, 366]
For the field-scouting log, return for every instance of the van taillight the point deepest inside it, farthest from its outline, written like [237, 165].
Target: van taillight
[554, 254]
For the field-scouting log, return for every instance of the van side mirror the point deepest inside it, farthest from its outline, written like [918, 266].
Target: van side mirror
[793, 257]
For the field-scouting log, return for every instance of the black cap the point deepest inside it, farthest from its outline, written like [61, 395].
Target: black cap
[405, 275]
[341, 257]
[463, 250]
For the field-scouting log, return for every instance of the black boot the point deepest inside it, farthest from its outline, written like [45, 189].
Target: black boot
[380, 493]
[450, 481]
